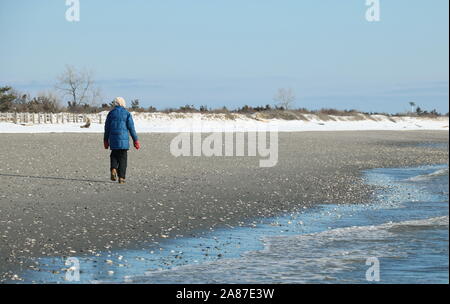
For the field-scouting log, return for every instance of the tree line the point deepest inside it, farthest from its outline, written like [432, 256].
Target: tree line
[82, 95]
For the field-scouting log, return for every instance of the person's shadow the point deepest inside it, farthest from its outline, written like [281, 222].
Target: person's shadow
[56, 178]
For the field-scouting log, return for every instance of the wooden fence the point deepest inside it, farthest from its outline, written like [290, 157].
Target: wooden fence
[50, 118]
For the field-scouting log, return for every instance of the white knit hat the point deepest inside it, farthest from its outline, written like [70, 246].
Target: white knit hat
[119, 101]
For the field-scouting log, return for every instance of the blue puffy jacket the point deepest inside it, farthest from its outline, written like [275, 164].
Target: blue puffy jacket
[117, 126]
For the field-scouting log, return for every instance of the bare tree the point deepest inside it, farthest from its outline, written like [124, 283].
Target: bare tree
[79, 86]
[285, 98]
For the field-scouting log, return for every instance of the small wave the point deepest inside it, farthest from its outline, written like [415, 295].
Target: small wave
[368, 233]
[437, 173]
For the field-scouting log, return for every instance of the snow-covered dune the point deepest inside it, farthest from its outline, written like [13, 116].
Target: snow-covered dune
[196, 122]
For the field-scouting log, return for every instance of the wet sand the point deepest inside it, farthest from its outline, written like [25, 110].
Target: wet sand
[56, 197]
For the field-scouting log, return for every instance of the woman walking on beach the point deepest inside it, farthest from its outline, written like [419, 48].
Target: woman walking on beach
[117, 126]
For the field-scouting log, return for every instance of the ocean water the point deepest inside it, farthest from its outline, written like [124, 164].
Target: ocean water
[405, 228]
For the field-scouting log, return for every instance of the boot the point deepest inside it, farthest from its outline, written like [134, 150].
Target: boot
[113, 175]
[121, 180]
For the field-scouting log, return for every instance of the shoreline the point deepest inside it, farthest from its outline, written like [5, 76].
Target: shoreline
[176, 196]
[231, 245]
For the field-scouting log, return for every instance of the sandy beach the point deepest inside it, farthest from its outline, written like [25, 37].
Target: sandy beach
[56, 198]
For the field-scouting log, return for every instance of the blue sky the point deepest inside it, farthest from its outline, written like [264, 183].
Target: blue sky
[216, 52]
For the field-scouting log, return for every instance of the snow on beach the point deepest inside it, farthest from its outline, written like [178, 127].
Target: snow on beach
[196, 122]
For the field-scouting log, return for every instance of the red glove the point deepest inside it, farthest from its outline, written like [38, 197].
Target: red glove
[137, 145]
[106, 144]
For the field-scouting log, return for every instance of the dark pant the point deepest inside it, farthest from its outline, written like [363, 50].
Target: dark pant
[119, 161]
